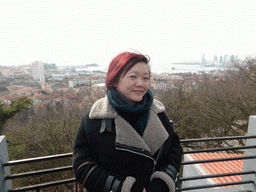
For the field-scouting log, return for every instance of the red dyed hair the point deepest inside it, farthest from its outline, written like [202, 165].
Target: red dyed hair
[122, 63]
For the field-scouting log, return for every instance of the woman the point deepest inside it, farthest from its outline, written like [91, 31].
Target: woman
[126, 143]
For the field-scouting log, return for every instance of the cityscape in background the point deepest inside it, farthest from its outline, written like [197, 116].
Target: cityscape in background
[38, 78]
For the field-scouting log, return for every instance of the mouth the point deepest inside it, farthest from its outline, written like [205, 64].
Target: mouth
[138, 91]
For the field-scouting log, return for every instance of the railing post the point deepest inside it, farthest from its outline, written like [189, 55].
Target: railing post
[4, 185]
[250, 165]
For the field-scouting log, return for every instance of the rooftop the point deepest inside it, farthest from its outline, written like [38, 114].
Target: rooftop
[221, 167]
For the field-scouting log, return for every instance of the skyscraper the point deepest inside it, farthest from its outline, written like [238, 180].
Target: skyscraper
[221, 60]
[215, 60]
[203, 60]
[38, 72]
[225, 60]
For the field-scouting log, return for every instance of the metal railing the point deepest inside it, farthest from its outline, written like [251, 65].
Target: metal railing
[37, 187]
[182, 179]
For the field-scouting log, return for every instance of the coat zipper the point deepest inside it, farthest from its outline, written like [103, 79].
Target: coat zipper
[158, 155]
[155, 162]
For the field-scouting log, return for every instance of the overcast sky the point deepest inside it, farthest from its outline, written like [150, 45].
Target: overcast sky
[84, 32]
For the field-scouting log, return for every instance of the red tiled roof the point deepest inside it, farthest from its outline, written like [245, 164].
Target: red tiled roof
[222, 166]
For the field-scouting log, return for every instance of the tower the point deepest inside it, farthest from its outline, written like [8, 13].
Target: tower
[215, 60]
[225, 60]
[203, 60]
[38, 72]
[221, 60]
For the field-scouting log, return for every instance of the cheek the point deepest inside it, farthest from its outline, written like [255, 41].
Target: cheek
[128, 83]
[147, 85]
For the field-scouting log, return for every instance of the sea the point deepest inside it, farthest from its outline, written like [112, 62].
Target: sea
[185, 68]
[167, 68]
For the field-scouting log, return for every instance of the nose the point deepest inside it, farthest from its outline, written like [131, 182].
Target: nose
[139, 82]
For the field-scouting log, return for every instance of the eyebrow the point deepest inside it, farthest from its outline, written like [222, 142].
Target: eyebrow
[137, 72]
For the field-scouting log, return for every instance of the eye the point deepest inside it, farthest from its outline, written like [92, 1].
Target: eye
[146, 78]
[133, 77]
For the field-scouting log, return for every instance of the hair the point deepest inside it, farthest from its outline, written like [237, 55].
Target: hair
[121, 64]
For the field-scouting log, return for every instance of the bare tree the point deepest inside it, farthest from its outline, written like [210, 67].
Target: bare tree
[214, 108]
[48, 130]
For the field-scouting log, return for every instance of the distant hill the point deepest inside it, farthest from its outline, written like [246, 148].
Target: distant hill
[186, 63]
[91, 65]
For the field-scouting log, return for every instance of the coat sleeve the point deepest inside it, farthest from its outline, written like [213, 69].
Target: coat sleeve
[175, 151]
[86, 170]
[170, 166]
[90, 173]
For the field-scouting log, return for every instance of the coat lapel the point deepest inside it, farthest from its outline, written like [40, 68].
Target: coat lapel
[126, 135]
[155, 134]
[153, 137]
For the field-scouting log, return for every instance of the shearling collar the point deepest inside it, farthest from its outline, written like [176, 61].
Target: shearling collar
[153, 137]
[102, 109]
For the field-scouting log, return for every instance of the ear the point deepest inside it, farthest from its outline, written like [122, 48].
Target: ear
[114, 85]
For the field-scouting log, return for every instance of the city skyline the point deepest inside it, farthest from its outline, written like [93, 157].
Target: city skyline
[219, 59]
[87, 32]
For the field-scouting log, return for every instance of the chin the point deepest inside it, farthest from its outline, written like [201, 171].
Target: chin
[137, 100]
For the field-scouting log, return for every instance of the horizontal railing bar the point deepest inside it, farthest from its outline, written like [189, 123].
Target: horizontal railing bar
[36, 159]
[216, 175]
[214, 185]
[216, 138]
[44, 158]
[60, 182]
[40, 172]
[220, 159]
[43, 185]
[220, 149]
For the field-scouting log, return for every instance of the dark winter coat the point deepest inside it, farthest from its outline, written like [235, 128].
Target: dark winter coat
[109, 155]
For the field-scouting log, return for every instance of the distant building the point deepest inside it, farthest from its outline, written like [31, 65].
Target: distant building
[215, 60]
[221, 60]
[80, 82]
[225, 60]
[203, 60]
[6, 72]
[49, 66]
[232, 58]
[38, 72]
[162, 86]
[58, 77]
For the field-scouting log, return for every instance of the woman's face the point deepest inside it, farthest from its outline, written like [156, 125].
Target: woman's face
[135, 83]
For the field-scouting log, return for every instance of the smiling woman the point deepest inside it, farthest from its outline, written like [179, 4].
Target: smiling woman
[129, 73]
[125, 142]
[134, 84]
